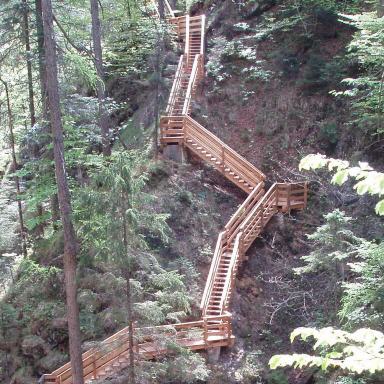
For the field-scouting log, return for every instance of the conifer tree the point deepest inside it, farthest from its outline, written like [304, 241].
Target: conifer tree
[70, 242]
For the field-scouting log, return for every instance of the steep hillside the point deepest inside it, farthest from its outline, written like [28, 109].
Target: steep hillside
[270, 69]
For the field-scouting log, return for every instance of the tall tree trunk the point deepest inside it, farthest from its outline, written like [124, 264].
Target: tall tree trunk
[70, 241]
[127, 274]
[103, 117]
[130, 328]
[15, 167]
[161, 9]
[380, 8]
[43, 89]
[29, 64]
[41, 54]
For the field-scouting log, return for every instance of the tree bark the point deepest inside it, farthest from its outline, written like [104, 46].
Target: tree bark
[41, 53]
[15, 167]
[29, 64]
[43, 92]
[70, 241]
[161, 9]
[127, 274]
[103, 117]
[130, 328]
[380, 8]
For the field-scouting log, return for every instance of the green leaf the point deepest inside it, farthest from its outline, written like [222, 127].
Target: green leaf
[340, 177]
[380, 208]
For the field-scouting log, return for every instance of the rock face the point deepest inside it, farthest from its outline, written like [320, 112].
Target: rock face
[258, 8]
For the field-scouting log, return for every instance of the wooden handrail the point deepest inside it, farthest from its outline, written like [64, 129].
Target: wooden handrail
[212, 270]
[202, 39]
[191, 84]
[240, 231]
[232, 227]
[187, 40]
[232, 158]
[169, 9]
[175, 86]
[230, 274]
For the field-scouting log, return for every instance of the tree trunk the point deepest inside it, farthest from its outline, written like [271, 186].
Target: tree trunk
[15, 167]
[41, 53]
[161, 9]
[103, 117]
[380, 8]
[130, 328]
[127, 275]
[70, 242]
[29, 64]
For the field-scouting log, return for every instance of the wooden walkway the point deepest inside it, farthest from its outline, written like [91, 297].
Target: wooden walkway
[178, 128]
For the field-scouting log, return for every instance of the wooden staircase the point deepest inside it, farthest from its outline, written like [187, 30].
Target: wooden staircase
[177, 127]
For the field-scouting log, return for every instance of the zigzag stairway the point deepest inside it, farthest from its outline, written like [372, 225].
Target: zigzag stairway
[177, 128]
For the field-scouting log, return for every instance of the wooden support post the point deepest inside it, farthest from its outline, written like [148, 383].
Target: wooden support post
[205, 335]
[213, 355]
[223, 157]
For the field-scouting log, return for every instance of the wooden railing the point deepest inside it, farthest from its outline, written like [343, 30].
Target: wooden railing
[239, 233]
[291, 196]
[213, 269]
[233, 225]
[172, 129]
[176, 86]
[228, 158]
[210, 331]
[231, 274]
[194, 78]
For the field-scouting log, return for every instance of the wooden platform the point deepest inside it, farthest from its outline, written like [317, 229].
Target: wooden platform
[214, 329]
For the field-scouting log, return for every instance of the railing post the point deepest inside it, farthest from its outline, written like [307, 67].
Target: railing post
[205, 331]
[94, 366]
[229, 327]
[187, 39]
[223, 156]
[289, 198]
[305, 194]
[277, 196]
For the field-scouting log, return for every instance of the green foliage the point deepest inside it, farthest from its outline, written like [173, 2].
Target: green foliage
[368, 180]
[365, 89]
[330, 132]
[187, 367]
[114, 202]
[359, 352]
[363, 298]
[333, 243]
[250, 370]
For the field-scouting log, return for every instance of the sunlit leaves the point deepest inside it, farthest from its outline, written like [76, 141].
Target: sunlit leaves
[358, 352]
[368, 181]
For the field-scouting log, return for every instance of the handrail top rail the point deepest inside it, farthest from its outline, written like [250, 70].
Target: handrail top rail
[229, 149]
